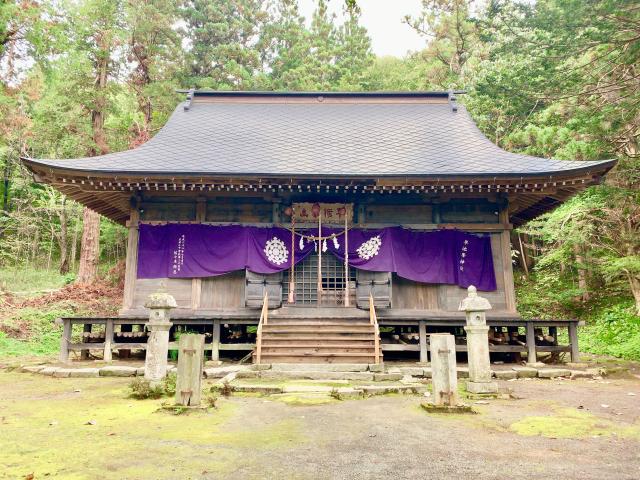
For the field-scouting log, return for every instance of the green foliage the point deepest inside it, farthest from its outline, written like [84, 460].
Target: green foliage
[616, 332]
[142, 389]
[211, 400]
[169, 383]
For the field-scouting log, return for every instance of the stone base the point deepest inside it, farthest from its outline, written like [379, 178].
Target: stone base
[482, 387]
[433, 408]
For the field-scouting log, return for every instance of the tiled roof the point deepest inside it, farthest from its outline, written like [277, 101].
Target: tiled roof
[322, 139]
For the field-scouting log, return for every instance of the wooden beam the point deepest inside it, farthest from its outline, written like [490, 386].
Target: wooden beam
[507, 265]
[131, 262]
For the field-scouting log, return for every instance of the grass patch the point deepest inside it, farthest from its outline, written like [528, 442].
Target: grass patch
[30, 281]
[571, 423]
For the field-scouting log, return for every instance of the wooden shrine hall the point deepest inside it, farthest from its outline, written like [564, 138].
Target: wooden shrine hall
[319, 227]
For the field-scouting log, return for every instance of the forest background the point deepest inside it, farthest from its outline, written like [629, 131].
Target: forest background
[551, 78]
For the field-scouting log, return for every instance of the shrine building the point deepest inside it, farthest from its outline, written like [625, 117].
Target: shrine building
[319, 227]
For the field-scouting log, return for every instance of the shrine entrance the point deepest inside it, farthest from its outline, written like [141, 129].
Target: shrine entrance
[307, 283]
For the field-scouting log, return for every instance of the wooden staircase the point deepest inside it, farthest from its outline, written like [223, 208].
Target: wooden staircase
[308, 340]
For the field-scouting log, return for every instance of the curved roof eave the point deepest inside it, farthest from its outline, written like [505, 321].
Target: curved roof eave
[596, 166]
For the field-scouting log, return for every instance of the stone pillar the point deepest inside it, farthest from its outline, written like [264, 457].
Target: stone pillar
[444, 374]
[155, 364]
[478, 343]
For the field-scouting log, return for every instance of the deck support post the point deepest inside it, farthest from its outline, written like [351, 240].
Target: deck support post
[155, 363]
[422, 332]
[84, 354]
[215, 341]
[65, 340]
[477, 343]
[531, 343]
[573, 338]
[108, 340]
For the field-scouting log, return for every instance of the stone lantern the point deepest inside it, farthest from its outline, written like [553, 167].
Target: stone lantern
[477, 343]
[155, 364]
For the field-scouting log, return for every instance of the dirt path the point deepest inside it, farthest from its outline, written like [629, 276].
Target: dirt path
[558, 429]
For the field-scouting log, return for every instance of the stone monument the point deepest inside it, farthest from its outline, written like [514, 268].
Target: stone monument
[477, 330]
[190, 363]
[155, 364]
[443, 367]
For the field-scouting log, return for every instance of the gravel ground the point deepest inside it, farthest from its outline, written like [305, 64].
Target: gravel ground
[390, 437]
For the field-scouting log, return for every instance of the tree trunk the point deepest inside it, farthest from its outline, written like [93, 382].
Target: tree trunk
[63, 239]
[90, 247]
[5, 190]
[74, 247]
[634, 283]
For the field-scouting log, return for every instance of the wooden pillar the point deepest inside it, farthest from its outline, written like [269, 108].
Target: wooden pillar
[196, 283]
[436, 213]
[84, 353]
[131, 266]
[573, 338]
[531, 343]
[422, 331]
[361, 214]
[125, 353]
[507, 265]
[108, 340]
[215, 341]
[65, 340]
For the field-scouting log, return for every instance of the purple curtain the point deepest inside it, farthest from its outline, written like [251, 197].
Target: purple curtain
[190, 251]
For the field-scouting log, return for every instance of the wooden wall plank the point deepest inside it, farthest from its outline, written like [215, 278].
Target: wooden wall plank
[225, 292]
[180, 288]
[413, 295]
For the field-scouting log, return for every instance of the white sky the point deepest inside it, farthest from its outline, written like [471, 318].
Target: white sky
[383, 20]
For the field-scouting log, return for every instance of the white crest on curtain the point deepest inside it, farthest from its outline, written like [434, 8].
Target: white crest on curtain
[370, 248]
[276, 251]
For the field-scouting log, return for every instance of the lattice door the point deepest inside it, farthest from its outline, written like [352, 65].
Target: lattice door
[333, 280]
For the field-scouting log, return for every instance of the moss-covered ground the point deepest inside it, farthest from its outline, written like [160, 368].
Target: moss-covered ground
[86, 428]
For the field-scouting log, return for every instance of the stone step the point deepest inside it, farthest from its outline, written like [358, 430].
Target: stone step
[343, 392]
